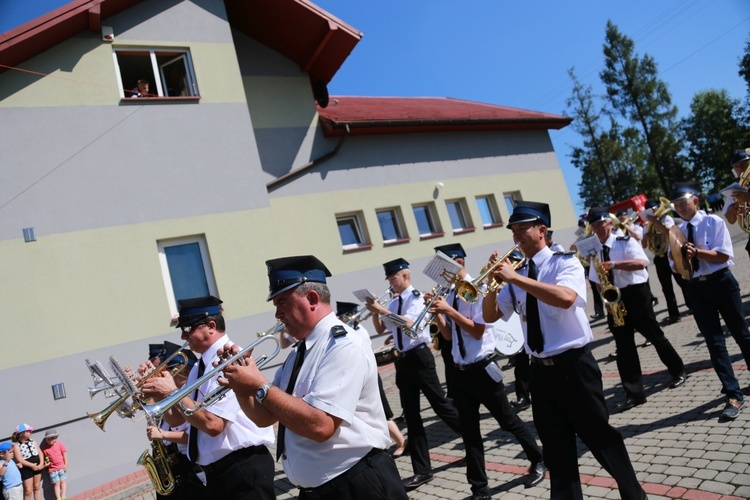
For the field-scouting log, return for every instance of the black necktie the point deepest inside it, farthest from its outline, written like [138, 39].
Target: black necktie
[605, 258]
[399, 334]
[193, 436]
[533, 325]
[461, 347]
[301, 348]
[691, 239]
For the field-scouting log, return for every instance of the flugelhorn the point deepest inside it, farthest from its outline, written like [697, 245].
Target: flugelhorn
[469, 291]
[156, 410]
[120, 405]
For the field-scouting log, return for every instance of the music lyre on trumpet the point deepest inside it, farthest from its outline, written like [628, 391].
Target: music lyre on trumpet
[469, 291]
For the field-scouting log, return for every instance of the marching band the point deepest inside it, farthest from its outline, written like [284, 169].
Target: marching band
[335, 422]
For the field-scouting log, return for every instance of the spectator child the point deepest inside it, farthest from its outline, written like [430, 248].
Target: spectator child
[27, 455]
[9, 474]
[56, 455]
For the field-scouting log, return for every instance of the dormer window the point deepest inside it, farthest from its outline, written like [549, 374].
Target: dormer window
[155, 73]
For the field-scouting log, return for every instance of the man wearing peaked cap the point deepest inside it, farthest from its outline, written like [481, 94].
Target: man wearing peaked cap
[452, 250]
[712, 289]
[739, 161]
[415, 366]
[229, 447]
[478, 381]
[530, 211]
[444, 344]
[332, 427]
[566, 386]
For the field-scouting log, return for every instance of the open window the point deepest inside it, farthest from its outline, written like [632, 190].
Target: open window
[168, 72]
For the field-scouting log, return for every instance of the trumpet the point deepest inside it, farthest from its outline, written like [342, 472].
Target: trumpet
[469, 291]
[658, 243]
[423, 319]
[273, 331]
[155, 411]
[120, 405]
[363, 313]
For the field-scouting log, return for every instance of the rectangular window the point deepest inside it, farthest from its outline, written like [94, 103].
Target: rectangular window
[510, 200]
[186, 269]
[488, 210]
[167, 73]
[427, 220]
[459, 215]
[350, 231]
[391, 225]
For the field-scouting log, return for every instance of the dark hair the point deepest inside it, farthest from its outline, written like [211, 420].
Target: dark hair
[219, 320]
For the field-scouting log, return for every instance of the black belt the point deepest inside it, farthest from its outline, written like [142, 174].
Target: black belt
[329, 487]
[713, 275]
[232, 458]
[559, 359]
[478, 364]
[413, 350]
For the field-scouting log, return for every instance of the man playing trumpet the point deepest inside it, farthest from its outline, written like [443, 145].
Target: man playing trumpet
[625, 261]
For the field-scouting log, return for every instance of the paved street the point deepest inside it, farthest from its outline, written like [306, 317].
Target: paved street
[677, 444]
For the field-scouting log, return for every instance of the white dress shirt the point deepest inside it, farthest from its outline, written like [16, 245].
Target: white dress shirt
[710, 233]
[239, 431]
[475, 349]
[620, 249]
[339, 377]
[412, 306]
[563, 329]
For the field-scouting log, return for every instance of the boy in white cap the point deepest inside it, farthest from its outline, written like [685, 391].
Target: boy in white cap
[9, 474]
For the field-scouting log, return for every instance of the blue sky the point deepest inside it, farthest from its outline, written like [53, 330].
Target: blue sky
[516, 53]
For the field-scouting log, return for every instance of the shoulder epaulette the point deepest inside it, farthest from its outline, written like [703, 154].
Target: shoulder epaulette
[623, 238]
[416, 292]
[338, 331]
[564, 254]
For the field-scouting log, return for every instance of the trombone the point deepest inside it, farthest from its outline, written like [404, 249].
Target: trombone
[469, 291]
[120, 405]
[155, 411]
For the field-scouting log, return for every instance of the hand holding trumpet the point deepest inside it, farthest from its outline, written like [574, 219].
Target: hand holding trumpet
[242, 376]
[504, 271]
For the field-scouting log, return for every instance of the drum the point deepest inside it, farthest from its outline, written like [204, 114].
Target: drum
[385, 354]
[509, 335]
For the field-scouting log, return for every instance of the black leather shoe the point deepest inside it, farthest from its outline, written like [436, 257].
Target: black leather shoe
[521, 404]
[672, 320]
[596, 316]
[678, 380]
[628, 404]
[415, 482]
[536, 474]
[613, 355]
[483, 494]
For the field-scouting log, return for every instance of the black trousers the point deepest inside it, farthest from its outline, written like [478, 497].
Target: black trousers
[446, 346]
[664, 273]
[568, 401]
[521, 373]
[189, 486]
[415, 373]
[640, 316]
[244, 474]
[598, 304]
[375, 477]
[477, 387]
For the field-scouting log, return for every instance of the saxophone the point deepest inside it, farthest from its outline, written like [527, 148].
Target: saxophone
[610, 293]
[159, 466]
[658, 243]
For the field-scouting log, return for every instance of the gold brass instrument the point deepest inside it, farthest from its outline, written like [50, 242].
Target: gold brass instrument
[158, 465]
[120, 405]
[156, 410]
[610, 293]
[623, 225]
[588, 231]
[469, 291]
[677, 242]
[658, 243]
[425, 317]
[743, 210]
[363, 313]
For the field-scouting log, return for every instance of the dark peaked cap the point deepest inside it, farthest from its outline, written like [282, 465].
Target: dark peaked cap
[454, 250]
[598, 213]
[395, 266]
[684, 189]
[345, 308]
[289, 272]
[194, 310]
[530, 211]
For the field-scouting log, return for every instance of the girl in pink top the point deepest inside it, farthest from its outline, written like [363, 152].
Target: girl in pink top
[56, 456]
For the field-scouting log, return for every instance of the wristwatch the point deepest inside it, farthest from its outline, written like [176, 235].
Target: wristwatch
[262, 392]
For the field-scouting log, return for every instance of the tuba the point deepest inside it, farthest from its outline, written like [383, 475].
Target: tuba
[658, 243]
[610, 293]
[743, 210]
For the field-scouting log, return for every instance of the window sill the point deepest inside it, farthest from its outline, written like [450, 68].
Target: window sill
[143, 100]
[391, 243]
[496, 224]
[357, 249]
[423, 237]
[464, 230]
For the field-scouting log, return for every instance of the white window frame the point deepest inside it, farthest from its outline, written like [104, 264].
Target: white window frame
[357, 219]
[492, 207]
[399, 223]
[431, 215]
[205, 259]
[463, 213]
[157, 70]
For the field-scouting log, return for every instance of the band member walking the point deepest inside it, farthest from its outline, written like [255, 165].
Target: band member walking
[480, 381]
[565, 380]
[229, 447]
[415, 368]
[624, 260]
[332, 429]
[713, 290]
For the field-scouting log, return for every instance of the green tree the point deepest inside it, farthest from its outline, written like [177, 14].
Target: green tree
[635, 91]
[712, 131]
